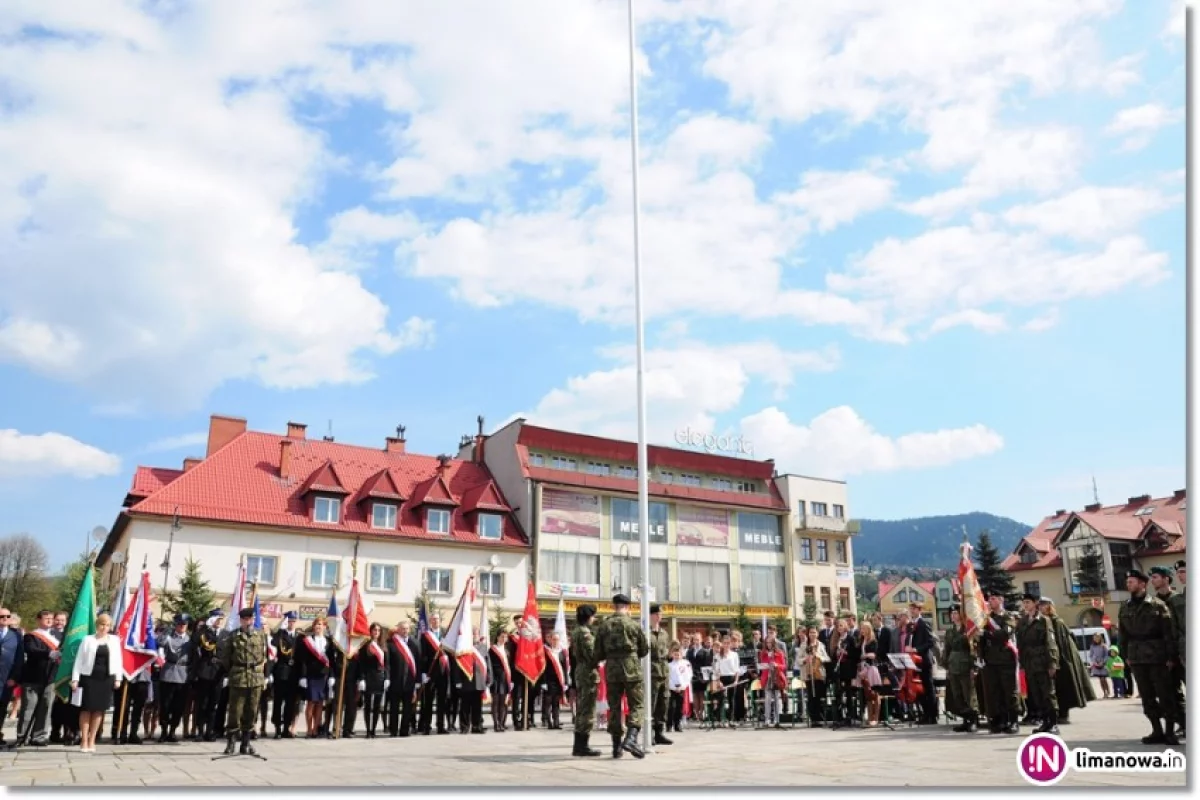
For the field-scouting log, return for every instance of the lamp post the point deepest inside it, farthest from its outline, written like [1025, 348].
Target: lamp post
[639, 315]
[165, 566]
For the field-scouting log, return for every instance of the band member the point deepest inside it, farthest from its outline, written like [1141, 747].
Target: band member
[554, 682]
[372, 670]
[921, 643]
[501, 675]
[285, 675]
[435, 678]
[314, 673]
[207, 675]
[404, 678]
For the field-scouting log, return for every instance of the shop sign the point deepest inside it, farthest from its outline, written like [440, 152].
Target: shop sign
[712, 443]
[312, 612]
[588, 591]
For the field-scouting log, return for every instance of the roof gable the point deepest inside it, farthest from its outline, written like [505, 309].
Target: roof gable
[324, 479]
[433, 492]
[381, 486]
[484, 497]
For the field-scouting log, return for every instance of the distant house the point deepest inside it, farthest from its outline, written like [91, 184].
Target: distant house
[895, 597]
[946, 593]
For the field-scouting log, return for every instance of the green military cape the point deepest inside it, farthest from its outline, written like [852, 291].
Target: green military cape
[1071, 682]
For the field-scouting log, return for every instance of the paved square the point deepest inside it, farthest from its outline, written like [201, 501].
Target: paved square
[791, 757]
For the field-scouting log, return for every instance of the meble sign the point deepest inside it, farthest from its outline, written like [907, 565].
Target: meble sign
[713, 443]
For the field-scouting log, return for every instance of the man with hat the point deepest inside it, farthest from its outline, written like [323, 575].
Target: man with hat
[660, 672]
[243, 654]
[1072, 684]
[999, 668]
[206, 675]
[1038, 652]
[920, 643]
[1161, 579]
[1149, 644]
[175, 649]
[284, 677]
[586, 679]
[1180, 617]
[960, 666]
[621, 644]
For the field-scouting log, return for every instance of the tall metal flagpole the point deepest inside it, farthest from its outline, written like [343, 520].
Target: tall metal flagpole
[643, 461]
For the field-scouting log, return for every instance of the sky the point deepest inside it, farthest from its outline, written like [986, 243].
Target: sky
[934, 249]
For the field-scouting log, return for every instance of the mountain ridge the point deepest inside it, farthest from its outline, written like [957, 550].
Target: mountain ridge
[931, 541]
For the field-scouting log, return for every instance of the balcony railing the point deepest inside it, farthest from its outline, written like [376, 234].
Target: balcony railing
[821, 522]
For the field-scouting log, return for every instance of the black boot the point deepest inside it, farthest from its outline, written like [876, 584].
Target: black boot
[581, 746]
[229, 745]
[1169, 736]
[617, 749]
[659, 738]
[1050, 724]
[966, 726]
[1156, 733]
[630, 745]
[247, 748]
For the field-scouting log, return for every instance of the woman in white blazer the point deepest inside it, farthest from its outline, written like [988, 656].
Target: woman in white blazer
[98, 669]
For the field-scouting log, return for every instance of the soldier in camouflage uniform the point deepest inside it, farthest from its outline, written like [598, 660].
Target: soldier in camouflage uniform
[1149, 637]
[960, 668]
[621, 644]
[660, 671]
[1000, 669]
[243, 654]
[1039, 658]
[1160, 580]
[586, 678]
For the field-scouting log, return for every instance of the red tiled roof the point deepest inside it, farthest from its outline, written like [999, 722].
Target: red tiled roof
[148, 480]
[928, 586]
[433, 492]
[324, 479]
[484, 497]
[241, 483]
[382, 486]
[674, 491]
[616, 450]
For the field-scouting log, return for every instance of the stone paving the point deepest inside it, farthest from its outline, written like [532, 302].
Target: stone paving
[792, 757]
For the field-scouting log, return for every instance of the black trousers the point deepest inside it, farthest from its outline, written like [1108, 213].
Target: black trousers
[522, 716]
[283, 705]
[64, 719]
[349, 709]
[470, 709]
[675, 710]
[172, 697]
[205, 716]
[433, 693]
[816, 701]
[499, 708]
[551, 703]
[135, 704]
[929, 700]
[373, 706]
[401, 715]
[453, 702]
[222, 710]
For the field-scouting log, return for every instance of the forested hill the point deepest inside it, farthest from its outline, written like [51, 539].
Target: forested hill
[931, 541]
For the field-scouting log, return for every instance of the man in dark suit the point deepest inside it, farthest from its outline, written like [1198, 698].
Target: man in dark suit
[285, 679]
[699, 655]
[435, 679]
[404, 673]
[12, 657]
[826, 631]
[37, 678]
[921, 643]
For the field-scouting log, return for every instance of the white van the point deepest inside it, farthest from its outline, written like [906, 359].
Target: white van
[1083, 640]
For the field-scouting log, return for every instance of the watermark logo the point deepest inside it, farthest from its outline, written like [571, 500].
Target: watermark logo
[1042, 759]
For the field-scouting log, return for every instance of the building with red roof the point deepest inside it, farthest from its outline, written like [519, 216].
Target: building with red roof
[294, 510]
[1080, 559]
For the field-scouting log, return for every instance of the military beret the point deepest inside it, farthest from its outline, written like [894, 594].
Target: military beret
[1164, 572]
[620, 600]
[585, 612]
[1031, 597]
[291, 615]
[1180, 565]
[1134, 573]
[246, 613]
[655, 608]
[216, 612]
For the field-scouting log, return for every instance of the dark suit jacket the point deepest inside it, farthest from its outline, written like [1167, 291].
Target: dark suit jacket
[403, 679]
[38, 669]
[922, 638]
[12, 658]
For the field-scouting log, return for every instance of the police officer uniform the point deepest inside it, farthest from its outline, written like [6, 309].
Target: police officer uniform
[586, 678]
[621, 644]
[176, 653]
[660, 671]
[242, 654]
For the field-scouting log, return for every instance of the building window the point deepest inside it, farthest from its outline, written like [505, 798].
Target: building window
[437, 520]
[323, 574]
[839, 552]
[596, 468]
[627, 576]
[822, 551]
[383, 577]
[560, 462]
[944, 594]
[765, 586]
[666, 477]
[722, 484]
[491, 584]
[810, 595]
[627, 472]
[844, 599]
[537, 460]
[1028, 555]
[689, 480]
[1032, 587]
[327, 510]
[820, 510]
[438, 581]
[945, 618]
[839, 512]
[703, 583]
[800, 507]
[826, 602]
[806, 549]
[902, 596]
[261, 569]
[490, 526]
[383, 515]
[563, 567]
[747, 487]
[1122, 562]
[915, 597]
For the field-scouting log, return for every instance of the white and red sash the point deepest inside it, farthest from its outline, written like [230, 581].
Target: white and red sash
[46, 639]
[552, 657]
[503, 656]
[436, 644]
[376, 651]
[402, 646]
[317, 654]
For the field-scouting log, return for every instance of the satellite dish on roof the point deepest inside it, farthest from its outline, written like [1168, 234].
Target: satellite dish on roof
[99, 533]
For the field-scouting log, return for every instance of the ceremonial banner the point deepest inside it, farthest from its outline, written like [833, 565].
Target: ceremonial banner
[703, 527]
[974, 611]
[136, 632]
[531, 655]
[81, 625]
[571, 513]
[459, 641]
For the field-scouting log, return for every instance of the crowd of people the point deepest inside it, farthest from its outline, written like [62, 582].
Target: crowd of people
[211, 682]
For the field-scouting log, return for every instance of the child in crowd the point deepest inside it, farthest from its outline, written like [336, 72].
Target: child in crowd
[680, 683]
[1115, 667]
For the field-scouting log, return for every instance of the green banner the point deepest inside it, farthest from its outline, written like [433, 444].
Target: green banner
[81, 624]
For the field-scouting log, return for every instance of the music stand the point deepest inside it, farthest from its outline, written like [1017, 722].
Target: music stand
[900, 662]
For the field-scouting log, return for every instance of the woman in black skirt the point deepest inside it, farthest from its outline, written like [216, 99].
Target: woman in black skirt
[314, 656]
[98, 671]
[371, 668]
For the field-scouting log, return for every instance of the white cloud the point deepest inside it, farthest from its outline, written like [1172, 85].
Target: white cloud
[1042, 322]
[46, 454]
[839, 443]
[1139, 123]
[836, 198]
[971, 318]
[356, 234]
[1177, 21]
[1092, 213]
[180, 442]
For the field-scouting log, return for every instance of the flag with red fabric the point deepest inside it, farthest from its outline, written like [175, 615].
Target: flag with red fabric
[974, 611]
[136, 631]
[355, 616]
[531, 655]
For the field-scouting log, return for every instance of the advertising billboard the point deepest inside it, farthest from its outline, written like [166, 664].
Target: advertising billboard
[570, 513]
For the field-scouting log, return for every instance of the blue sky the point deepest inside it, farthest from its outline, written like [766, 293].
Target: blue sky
[938, 254]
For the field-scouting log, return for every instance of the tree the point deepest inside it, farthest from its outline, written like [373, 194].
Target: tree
[422, 598]
[783, 626]
[23, 563]
[1089, 572]
[993, 579]
[497, 623]
[66, 586]
[741, 622]
[194, 598]
[810, 613]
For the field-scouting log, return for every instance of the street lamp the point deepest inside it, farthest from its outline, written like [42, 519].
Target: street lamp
[165, 566]
[623, 555]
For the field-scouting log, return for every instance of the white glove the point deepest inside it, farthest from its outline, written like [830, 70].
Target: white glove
[331, 683]
[362, 686]
[304, 683]
[386, 684]
[424, 679]
[225, 683]
[270, 679]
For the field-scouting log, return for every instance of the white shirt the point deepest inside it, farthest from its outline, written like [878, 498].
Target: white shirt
[727, 665]
[680, 675]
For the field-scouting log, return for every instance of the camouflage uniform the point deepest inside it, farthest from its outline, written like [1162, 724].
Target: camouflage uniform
[1149, 636]
[999, 674]
[660, 668]
[960, 690]
[621, 644]
[243, 655]
[1039, 654]
[1178, 605]
[586, 679]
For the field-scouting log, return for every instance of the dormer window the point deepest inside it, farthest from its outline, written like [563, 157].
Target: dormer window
[437, 520]
[327, 510]
[383, 516]
[490, 526]
[1028, 555]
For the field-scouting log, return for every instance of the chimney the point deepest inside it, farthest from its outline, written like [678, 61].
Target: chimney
[1060, 512]
[443, 463]
[296, 430]
[479, 440]
[188, 463]
[1180, 494]
[395, 444]
[222, 430]
[285, 458]
[1092, 507]
[1141, 498]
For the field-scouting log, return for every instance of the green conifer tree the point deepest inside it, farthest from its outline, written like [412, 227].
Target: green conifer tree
[194, 596]
[992, 577]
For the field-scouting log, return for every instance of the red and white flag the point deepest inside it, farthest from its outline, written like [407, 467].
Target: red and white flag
[358, 627]
[459, 641]
[136, 632]
[974, 611]
[531, 655]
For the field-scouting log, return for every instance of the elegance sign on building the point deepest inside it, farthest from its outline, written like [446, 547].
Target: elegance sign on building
[714, 444]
